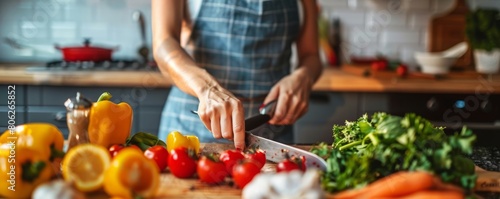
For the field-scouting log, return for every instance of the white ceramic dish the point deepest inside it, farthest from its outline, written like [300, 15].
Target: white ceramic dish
[440, 62]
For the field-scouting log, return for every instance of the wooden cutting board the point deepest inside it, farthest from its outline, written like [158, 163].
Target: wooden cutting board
[448, 29]
[172, 187]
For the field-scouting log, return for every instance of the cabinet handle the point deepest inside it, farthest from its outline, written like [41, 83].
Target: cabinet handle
[60, 116]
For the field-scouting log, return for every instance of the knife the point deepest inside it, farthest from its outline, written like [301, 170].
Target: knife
[275, 151]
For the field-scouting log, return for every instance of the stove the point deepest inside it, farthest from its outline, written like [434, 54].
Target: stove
[89, 66]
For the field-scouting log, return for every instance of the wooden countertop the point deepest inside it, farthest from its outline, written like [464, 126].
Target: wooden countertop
[332, 79]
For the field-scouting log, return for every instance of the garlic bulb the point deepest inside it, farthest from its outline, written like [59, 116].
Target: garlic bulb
[57, 189]
[289, 185]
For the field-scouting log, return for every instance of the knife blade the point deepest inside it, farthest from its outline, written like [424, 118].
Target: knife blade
[275, 151]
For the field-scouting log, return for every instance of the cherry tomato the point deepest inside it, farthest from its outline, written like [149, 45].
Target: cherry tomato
[402, 70]
[182, 162]
[114, 149]
[379, 65]
[291, 163]
[257, 155]
[159, 154]
[230, 158]
[211, 170]
[244, 172]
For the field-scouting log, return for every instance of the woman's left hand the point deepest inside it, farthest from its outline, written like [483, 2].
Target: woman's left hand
[292, 93]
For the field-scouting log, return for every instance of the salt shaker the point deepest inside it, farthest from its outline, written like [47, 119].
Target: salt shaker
[77, 117]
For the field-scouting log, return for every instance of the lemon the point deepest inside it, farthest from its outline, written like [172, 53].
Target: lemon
[84, 165]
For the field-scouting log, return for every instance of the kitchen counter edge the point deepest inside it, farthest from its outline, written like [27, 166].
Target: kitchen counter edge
[332, 80]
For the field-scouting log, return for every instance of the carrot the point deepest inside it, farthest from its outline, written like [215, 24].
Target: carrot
[431, 194]
[398, 184]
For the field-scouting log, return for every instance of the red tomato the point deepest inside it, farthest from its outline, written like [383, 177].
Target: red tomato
[258, 156]
[244, 172]
[211, 170]
[182, 162]
[291, 163]
[114, 149]
[159, 154]
[402, 70]
[230, 158]
[379, 65]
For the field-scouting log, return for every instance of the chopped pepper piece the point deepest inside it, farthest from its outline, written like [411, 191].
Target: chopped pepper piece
[175, 139]
[109, 123]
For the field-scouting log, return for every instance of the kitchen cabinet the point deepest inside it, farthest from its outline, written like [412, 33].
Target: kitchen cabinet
[20, 102]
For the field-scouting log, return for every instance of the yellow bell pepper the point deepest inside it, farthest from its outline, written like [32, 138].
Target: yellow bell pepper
[45, 138]
[176, 139]
[109, 123]
[131, 175]
[21, 171]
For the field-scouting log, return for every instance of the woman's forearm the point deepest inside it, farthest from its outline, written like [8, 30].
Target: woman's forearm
[310, 66]
[181, 68]
[167, 17]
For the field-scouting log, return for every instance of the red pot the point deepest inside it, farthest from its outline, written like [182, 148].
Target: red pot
[86, 52]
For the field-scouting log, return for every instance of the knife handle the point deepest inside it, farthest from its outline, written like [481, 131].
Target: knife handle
[256, 121]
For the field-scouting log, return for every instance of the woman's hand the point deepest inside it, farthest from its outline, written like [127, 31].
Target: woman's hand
[222, 113]
[292, 93]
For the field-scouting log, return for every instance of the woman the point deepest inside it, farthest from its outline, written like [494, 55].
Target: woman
[227, 57]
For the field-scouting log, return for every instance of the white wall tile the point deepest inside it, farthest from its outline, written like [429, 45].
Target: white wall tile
[350, 17]
[385, 18]
[66, 31]
[419, 5]
[400, 36]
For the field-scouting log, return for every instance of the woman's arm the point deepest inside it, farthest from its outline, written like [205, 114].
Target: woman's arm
[293, 91]
[220, 111]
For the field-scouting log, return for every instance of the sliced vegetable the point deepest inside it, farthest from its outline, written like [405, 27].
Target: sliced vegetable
[230, 158]
[176, 139]
[291, 163]
[131, 175]
[257, 155]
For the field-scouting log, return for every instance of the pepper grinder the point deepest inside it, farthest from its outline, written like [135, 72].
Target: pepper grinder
[78, 111]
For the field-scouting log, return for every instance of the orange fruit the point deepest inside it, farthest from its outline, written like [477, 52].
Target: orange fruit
[84, 165]
[131, 174]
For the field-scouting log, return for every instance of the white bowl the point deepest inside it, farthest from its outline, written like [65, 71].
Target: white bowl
[434, 63]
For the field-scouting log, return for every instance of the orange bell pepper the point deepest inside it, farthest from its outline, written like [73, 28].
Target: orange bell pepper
[131, 175]
[109, 123]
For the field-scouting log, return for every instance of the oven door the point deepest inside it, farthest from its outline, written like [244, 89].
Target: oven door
[481, 113]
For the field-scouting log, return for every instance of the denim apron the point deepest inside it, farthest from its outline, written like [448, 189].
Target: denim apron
[246, 46]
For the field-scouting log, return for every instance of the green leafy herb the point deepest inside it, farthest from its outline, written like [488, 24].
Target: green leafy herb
[483, 28]
[371, 148]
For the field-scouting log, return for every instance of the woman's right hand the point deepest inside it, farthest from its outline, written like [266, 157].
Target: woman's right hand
[223, 115]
